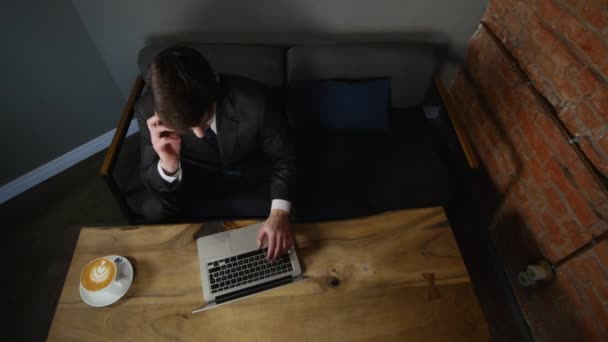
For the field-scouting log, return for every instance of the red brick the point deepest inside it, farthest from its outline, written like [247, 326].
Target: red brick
[587, 82]
[569, 26]
[502, 181]
[576, 233]
[512, 78]
[523, 149]
[586, 268]
[593, 47]
[590, 44]
[589, 118]
[535, 195]
[537, 171]
[565, 281]
[541, 151]
[591, 151]
[556, 140]
[517, 18]
[492, 132]
[569, 116]
[509, 120]
[483, 145]
[518, 194]
[496, 10]
[564, 59]
[599, 100]
[591, 189]
[601, 253]
[587, 323]
[547, 125]
[549, 135]
[524, 95]
[595, 154]
[544, 63]
[603, 142]
[596, 14]
[532, 220]
[548, 10]
[581, 208]
[521, 112]
[556, 174]
[543, 37]
[474, 132]
[604, 70]
[552, 252]
[574, 5]
[565, 88]
[511, 161]
[579, 205]
[554, 199]
[460, 91]
[595, 304]
[495, 95]
[492, 164]
[555, 234]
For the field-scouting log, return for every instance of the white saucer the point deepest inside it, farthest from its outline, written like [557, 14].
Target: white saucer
[125, 271]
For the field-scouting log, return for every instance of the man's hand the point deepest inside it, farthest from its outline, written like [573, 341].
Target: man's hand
[166, 143]
[276, 228]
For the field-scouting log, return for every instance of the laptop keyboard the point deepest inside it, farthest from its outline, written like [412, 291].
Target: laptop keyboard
[245, 268]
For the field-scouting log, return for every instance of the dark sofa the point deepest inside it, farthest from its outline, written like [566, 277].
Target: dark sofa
[341, 174]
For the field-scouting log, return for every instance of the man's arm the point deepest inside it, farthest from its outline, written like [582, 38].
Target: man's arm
[277, 146]
[149, 160]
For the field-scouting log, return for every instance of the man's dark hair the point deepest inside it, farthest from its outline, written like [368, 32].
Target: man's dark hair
[183, 87]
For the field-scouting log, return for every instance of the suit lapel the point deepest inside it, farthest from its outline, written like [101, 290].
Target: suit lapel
[227, 129]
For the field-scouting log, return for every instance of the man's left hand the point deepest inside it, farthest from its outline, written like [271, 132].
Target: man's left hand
[277, 230]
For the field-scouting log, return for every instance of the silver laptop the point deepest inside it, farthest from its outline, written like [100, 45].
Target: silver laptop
[232, 266]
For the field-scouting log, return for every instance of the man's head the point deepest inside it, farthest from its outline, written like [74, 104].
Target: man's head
[184, 88]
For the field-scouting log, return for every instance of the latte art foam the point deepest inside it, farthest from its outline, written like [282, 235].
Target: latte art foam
[98, 274]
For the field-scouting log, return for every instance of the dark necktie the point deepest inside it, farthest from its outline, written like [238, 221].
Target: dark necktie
[210, 137]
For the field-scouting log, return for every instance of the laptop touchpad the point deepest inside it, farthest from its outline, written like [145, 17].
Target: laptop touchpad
[244, 239]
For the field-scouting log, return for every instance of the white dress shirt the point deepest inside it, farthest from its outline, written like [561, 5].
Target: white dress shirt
[276, 203]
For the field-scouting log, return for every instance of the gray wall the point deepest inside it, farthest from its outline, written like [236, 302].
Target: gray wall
[55, 90]
[120, 28]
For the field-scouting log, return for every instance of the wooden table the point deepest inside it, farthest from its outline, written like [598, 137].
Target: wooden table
[369, 278]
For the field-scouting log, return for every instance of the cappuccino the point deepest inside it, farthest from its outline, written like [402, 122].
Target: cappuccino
[98, 274]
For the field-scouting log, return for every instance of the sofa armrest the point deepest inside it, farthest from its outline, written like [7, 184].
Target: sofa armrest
[121, 130]
[463, 138]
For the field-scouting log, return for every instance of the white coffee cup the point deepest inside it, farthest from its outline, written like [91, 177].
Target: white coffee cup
[102, 276]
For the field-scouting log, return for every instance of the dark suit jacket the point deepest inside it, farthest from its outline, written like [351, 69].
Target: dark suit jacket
[251, 128]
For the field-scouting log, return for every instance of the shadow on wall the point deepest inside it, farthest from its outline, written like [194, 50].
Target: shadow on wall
[546, 302]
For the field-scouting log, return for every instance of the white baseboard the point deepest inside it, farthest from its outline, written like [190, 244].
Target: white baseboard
[59, 164]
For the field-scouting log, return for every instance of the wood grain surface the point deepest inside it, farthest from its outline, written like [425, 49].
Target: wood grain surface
[365, 281]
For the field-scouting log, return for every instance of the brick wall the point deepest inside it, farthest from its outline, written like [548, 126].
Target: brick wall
[549, 203]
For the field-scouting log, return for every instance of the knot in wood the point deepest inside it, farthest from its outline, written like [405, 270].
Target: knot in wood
[334, 282]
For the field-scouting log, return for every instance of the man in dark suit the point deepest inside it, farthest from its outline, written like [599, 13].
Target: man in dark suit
[207, 136]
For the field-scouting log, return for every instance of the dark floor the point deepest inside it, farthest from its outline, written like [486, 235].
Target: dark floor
[41, 226]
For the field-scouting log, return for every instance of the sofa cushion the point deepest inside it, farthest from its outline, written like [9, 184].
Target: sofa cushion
[264, 64]
[354, 174]
[410, 67]
[356, 105]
